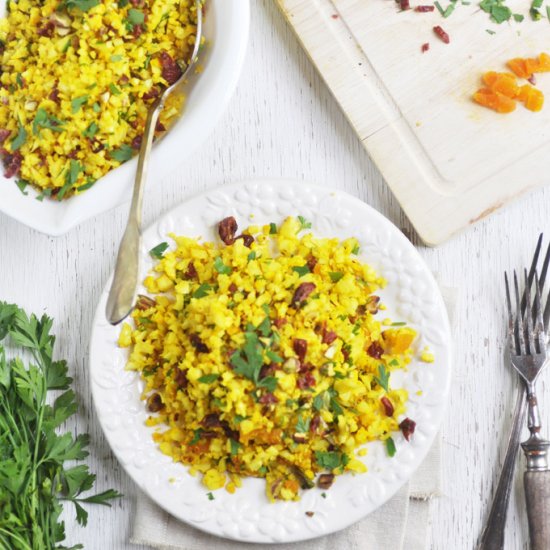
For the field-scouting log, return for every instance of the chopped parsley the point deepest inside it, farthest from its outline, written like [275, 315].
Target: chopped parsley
[390, 446]
[91, 130]
[134, 19]
[269, 382]
[304, 224]
[22, 185]
[78, 102]
[158, 251]
[220, 267]
[82, 5]
[335, 276]
[208, 378]
[301, 270]
[383, 377]
[19, 139]
[302, 425]
[273, 357]
[114, 89]
[331, 459]
[272, 229]
[235, 446]
[210, 496]
[122, 154]
[70, 178]
[202, 291]
[196, 437]
[43, 120]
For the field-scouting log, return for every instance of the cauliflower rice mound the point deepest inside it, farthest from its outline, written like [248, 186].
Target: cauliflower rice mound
[263, 357]
[78, 77]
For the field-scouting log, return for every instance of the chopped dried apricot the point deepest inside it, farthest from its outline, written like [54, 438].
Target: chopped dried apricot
[518, 67]
[532, 98]
[494, 100]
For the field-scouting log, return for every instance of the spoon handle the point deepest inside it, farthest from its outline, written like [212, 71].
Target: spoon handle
[125, 279]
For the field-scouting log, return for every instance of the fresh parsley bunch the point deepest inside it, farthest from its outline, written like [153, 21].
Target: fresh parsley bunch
[34, 480]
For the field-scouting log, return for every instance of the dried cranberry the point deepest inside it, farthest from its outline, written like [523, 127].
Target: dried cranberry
[227, 229]
[137, 31]
[191, 272]
[311, 263]
[300, 348]
[152, 93]
[407, 427]
[46, 30]
[12, 164]
[302, 292]
[232, 288]
[160, 127]
[329, 336]
[136, 142]
[388, 406]
[268, 399]
[198, 344]
[4, 134]
[375, 350]
[315, 423]
[170, 69]
[306, 380]
[279, 322]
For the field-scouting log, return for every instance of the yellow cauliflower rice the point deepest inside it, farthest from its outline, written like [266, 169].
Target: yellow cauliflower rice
[78, 77]
[262, 356]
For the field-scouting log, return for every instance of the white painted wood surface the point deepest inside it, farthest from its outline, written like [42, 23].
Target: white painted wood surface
[283, 121]
[449, 161]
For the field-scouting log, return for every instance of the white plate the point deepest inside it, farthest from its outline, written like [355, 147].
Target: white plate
[411, 295]
[226, 29]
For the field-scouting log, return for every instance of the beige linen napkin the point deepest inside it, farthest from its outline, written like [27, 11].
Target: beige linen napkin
[401, 524]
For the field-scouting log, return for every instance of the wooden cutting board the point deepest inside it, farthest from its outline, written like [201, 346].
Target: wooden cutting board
[449, 162]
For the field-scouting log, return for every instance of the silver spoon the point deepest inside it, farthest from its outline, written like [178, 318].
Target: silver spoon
[125, 280]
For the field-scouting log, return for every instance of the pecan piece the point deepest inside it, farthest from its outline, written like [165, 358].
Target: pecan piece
[325, 481]
[299, 437]
[144, 302]
[198, 344]
[211, 420]
[247, 240]
[373, 304]
[227, 229]
[375, 350]
[388, 406]
[300, 348]
[154, 403]
[306, 380]
[302, 292]
[191, 272]
[407, 426]
[268, 399]
[170, 69]
[329, 336]
[180, 378]
[311, 263]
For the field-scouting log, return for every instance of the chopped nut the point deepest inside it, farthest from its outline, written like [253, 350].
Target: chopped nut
[299, 437]
[310, 514]
[154, 403]
[325, 481]
[144, 302]
[291, 365]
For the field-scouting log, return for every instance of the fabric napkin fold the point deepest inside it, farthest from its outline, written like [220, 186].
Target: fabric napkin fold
[400, 524]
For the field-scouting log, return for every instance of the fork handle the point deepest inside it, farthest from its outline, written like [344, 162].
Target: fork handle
[492, 537]
[537, 500]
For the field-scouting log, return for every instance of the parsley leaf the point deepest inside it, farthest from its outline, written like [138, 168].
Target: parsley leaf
[272, 229]
[77, 103]
[335, 276]
[220, 267]
[269, 382]
[238, 418]
[304, 224]
[210, 496]
[114, 89]
[82, 5]
[383, 377]
[303, 270]
[249, 360]
[122, 154]
[43, 120]
[390, 446]
[196, 437]
[70, 178]
[234, 445]
[208, 378]
[302, 425]
[202, 291]
[158, 251]
[331, 460]
[274, 357]
[91, 130]
[135, 17]
[22, 185]
[19, 139]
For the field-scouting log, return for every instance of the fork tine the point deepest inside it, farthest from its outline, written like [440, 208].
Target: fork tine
[519, 320]
[533, 267]
[511, 332]
[539, 327]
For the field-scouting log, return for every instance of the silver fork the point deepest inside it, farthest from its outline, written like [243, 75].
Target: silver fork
[492, 537]
[528, 356]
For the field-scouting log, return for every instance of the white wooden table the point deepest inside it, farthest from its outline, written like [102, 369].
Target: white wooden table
[282, 122]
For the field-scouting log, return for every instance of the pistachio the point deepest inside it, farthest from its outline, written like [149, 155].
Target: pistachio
[291, 365]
